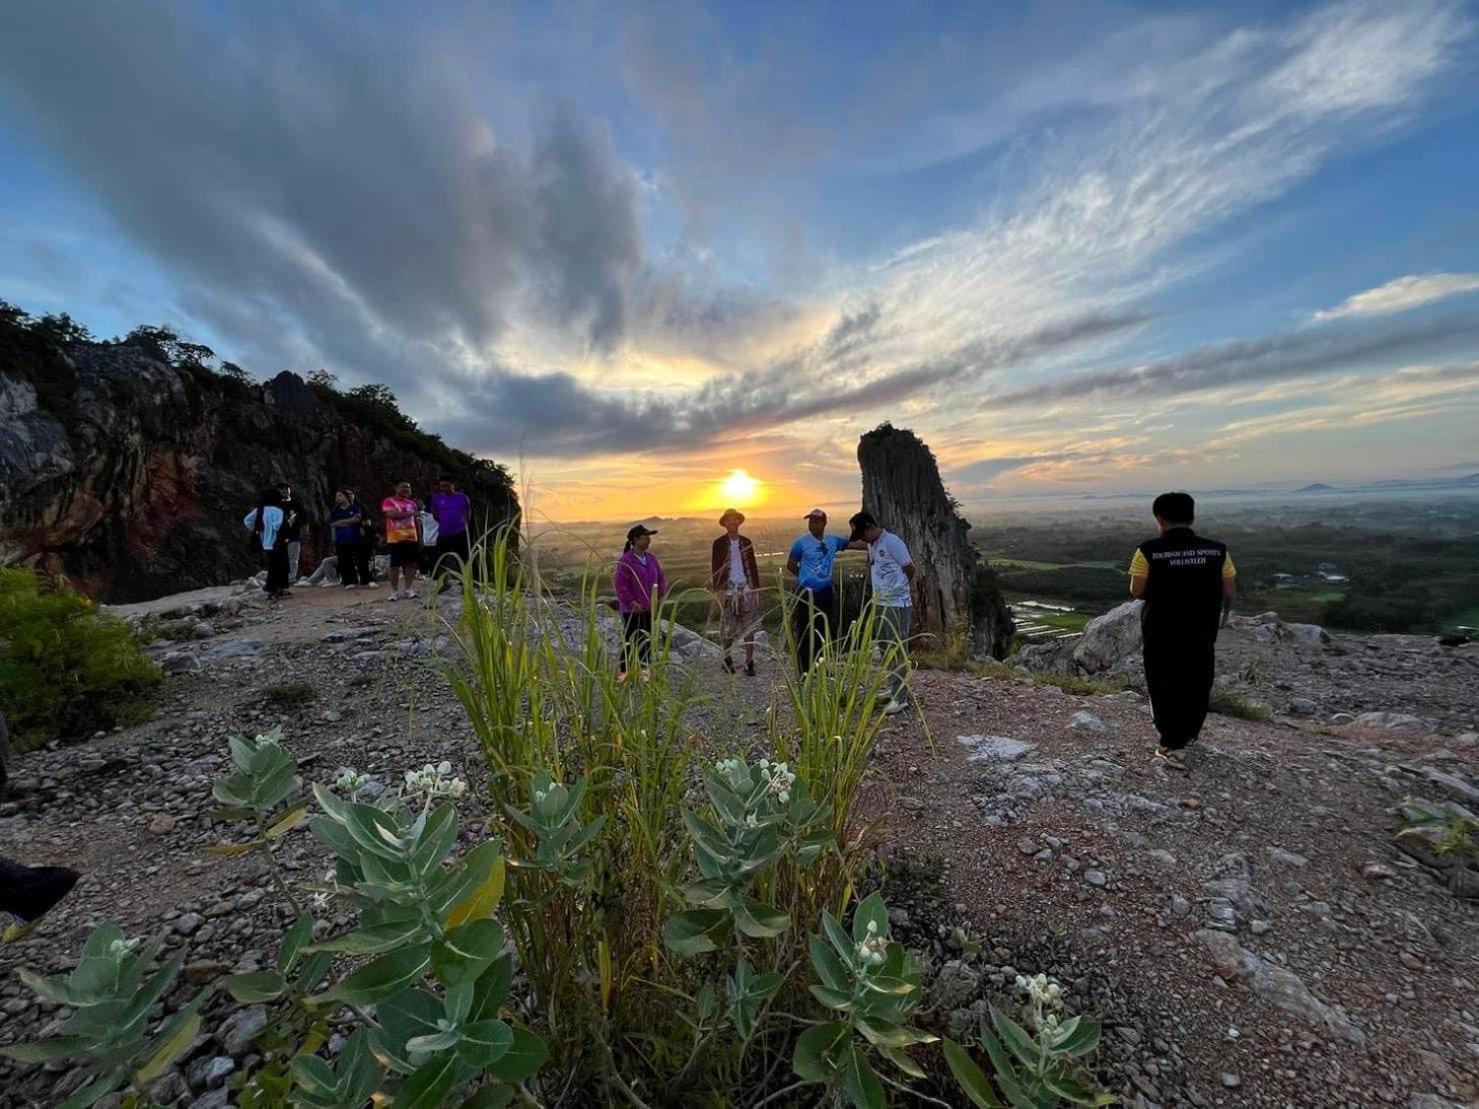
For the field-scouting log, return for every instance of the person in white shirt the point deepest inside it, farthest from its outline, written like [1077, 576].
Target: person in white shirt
[735, 580]
[892, 572]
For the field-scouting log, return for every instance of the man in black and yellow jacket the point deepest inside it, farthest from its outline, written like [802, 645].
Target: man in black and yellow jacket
[1187, 582]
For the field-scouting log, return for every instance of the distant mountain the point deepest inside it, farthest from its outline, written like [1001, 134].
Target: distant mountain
[1317, 487]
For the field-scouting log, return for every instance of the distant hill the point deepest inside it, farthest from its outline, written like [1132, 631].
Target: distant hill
[1317, 487]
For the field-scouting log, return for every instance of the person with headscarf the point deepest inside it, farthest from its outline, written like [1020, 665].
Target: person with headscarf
[735, 580]
[640, 585]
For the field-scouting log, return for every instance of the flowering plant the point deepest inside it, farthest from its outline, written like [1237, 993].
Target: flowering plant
[872, 982]
[761, 813]
[1040, 1070]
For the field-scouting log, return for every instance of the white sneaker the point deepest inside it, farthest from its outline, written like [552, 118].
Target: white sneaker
[894, 707]
[373, 585]
[395, 595]
[408, 593]
[351, 585]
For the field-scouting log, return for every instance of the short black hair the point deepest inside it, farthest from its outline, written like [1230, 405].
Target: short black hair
[1175, 508]
[861, 522]
[445, 478]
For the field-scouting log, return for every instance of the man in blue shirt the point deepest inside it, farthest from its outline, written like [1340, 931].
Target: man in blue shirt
[810, 561]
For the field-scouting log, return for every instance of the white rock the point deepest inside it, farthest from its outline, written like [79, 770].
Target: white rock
[1110, 639]
[994, 748]
[1085, 721]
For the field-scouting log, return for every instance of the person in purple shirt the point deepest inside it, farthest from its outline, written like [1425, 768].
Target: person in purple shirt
[452, 510]
[639, 583]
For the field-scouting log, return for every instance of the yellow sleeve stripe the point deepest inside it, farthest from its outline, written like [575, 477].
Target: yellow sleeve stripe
[1139, 568]
[1229, 571]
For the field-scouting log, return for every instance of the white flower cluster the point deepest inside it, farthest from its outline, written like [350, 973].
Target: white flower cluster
[1041, 989]
[435, 781]
[873, 950]
[119, 948]
[778, 780]
[350, 781]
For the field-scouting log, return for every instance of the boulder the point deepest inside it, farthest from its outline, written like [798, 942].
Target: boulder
[955, 590]
[1110, 640]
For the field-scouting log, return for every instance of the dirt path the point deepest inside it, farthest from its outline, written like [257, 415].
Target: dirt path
[1062, 850]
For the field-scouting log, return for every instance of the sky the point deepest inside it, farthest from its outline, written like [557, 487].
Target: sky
[630, 248]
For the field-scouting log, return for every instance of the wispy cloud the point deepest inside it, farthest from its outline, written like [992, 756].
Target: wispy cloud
[1402, 295]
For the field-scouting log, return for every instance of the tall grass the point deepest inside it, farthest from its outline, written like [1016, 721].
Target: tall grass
[538, 681]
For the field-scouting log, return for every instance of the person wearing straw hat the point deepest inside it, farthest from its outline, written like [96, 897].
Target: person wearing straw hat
[810, 562]
[735, 580]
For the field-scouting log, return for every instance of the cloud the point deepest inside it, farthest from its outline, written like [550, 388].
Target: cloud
[1402, 295]
[335, 174]
[1280, 357]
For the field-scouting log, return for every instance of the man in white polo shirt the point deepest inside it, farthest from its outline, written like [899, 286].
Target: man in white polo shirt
[892, 572]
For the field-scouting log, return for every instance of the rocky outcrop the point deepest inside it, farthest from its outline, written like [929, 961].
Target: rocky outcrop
[130, 473]
[956, 591]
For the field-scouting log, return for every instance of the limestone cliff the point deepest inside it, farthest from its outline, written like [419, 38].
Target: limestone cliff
[127, 466]
[955, 589]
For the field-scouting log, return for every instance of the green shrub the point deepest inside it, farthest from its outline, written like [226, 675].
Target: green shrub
[1081, 687]
[1227, 702]
[289, 695]
[66, 670]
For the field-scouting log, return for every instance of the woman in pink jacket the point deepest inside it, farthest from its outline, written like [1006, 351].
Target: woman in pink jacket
[639, 585]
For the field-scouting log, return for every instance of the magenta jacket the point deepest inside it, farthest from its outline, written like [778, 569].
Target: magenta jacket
[635, 582]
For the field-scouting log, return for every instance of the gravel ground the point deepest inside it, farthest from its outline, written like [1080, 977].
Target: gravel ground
[1249, 931]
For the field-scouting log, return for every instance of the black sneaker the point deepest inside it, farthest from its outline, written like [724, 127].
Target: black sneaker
[728, 665]
[750, 668]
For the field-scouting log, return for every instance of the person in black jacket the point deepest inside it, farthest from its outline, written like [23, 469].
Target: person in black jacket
[1187, 582]
[294, 518]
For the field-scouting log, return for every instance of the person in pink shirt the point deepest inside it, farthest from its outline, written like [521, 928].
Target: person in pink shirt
[639, 583]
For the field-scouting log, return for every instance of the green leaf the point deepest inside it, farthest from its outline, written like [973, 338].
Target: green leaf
[830, 969]
[484, 899]
[379, 938]
[51, 989]
[1075, 1092]
[969, 1077]
[1006, 1070]
[859, 1081]
[900, 1059]
[259, 985]
[92, 1094]
[45, 1051]
[484, 1042]
[467, 952]
[710, 893]
[287, 822]
[1081, 1040]
[433, 1042]
[292, 943]
[436, 840]
[313, 1074]
[522, 1060]
[1016, 1039]
[384, 978]
[693, 932]
[759, 921]
[458, 884]
[872, 911]
[490, 1097]
[404, 1017]
[815, 1056]
[891, 1034]
[175, 1040]
[431, 1082]
[833, 999]
[835, 932]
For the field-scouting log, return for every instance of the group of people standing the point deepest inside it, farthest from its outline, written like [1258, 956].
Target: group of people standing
[734, 580]
[417, 537]
[1187, 582]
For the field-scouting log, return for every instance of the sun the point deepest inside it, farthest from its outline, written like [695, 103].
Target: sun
[739, 488]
